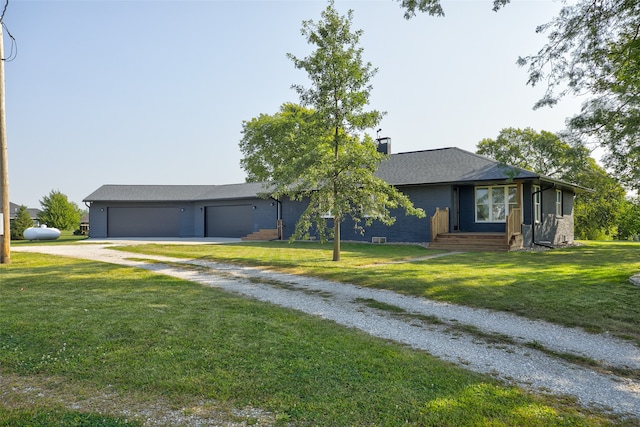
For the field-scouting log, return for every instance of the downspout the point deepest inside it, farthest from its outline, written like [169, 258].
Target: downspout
[533, 223]
[279, 224]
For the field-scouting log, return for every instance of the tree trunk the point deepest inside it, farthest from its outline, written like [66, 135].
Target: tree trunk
[336, 218]
[336, 239]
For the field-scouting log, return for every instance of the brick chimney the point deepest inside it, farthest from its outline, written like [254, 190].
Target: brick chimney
[384, 145]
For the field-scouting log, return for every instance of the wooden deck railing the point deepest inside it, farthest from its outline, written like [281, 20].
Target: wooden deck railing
[514, 223]
[439, 222]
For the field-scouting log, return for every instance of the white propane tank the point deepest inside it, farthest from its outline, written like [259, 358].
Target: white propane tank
[41, 233]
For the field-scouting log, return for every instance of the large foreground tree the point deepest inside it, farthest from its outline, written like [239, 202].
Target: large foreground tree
[321, 153]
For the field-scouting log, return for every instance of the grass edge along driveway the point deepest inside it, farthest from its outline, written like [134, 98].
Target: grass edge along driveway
[117, 330]
[582, 286]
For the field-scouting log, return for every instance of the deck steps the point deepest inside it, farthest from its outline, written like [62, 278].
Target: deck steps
[262, 234]
[460, 241]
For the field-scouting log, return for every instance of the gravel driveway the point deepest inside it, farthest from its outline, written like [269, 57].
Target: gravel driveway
[508, 359]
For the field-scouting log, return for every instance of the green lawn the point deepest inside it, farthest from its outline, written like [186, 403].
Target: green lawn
[585, 286]
[75, 329]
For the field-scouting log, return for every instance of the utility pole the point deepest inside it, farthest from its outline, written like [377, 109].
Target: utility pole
[5, 251]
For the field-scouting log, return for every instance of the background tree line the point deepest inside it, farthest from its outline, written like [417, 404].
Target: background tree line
[605, 213]
[56, 211]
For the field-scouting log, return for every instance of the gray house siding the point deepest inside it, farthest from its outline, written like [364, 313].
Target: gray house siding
[411, 228]
[527, 203]
[265, 215]
[187, 220]
[291, 212]
[405, 229]
[527, 214]
[555, 229]
[98, 218]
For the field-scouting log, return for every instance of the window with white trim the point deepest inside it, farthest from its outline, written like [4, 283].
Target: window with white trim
[537, 207]
[558, 202]
[493, 203]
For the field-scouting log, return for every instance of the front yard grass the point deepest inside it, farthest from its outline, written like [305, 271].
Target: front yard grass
[72, 329]
[582, 286]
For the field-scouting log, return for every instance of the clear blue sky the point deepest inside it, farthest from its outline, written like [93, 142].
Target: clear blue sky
[155, 92]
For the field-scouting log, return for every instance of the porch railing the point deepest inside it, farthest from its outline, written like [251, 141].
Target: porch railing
[439, 222]
[514, 223]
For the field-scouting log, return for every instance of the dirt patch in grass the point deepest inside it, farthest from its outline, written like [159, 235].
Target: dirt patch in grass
[18, 392]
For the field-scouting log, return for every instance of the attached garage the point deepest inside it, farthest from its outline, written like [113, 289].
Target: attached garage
[229, 220]
[183, 211]
[143, 221]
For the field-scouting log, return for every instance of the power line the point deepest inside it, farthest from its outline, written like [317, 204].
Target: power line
[6, 4]
[13, 50]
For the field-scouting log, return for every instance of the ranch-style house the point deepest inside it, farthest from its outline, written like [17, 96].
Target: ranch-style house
[471, 201]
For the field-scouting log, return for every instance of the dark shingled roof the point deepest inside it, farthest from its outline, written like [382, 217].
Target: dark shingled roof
[440, 166]
[445, 165]
[13, 210]
[146, 193]
[173, 193]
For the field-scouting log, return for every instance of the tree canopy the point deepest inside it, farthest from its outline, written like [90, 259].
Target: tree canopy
[543, 152]
[59, 212]
[629, 223]
[272, 144]
[596, 214]
[320, 152]
[433, 7]
[592, 50]
[21, 222]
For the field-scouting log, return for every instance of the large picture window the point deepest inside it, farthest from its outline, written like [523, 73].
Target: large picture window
[493, 203]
